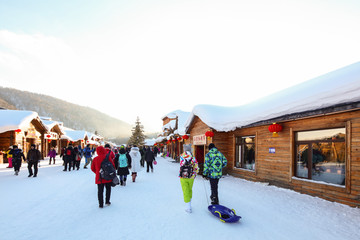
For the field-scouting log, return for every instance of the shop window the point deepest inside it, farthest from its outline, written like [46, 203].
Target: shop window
[245, 152]
[320, 155]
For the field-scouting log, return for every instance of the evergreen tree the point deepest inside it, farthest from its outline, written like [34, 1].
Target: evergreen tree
[138, 137]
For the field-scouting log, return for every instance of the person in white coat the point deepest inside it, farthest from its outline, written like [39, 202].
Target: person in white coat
[135, 156]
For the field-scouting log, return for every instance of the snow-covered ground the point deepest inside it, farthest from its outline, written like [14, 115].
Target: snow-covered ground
[63, 205]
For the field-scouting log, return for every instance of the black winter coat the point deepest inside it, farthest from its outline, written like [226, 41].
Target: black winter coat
[149, 155]
[33, 155]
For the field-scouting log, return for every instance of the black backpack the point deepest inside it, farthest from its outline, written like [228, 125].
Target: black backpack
[186, 170]
[107, 169]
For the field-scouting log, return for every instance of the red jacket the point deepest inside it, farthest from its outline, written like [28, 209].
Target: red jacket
[96, 164]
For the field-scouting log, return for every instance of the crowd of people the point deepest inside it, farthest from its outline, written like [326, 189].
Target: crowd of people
[126, 160]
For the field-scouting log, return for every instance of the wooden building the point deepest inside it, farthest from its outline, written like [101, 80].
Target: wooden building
[317, 148]
[22, 128]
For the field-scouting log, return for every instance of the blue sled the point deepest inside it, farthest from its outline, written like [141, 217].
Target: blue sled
[225, 214]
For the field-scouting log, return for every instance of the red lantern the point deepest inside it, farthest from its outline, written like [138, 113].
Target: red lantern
[174, 140]
[168, 142]
[179, 139]
[17, 130]
[209, 134]
[48, 136]
[275, 128]
[185, 137]
[49, 140]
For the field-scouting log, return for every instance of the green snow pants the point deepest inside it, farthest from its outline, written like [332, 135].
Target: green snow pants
[186, 185]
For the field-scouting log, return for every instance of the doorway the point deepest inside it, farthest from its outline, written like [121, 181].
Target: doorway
[200, 156]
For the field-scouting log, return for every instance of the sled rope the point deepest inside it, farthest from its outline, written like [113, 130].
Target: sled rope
[206, 195]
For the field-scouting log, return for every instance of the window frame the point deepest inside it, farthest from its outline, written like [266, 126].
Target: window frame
[309, 143]
[238, 143]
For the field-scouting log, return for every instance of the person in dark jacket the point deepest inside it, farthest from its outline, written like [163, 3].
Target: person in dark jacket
[149, 158]
[101, 183]
[123, 164]
[69, 157]
[215, 161]
[77, 160]
[33, 158]
[17, 154]
[88, 155]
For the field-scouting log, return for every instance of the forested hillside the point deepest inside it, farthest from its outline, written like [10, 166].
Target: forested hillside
[72, 115]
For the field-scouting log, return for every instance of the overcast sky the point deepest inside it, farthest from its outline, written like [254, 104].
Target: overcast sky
[146, 58]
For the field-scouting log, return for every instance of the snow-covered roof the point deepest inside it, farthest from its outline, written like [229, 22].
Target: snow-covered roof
[16, 119]
[50, 124]
[337, 87]
[182, 119]
[149, 142]
[74, 135]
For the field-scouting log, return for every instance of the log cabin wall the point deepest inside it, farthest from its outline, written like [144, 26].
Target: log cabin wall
[278, 168]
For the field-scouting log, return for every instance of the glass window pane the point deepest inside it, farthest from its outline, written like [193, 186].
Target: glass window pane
[249, 156]
[302, 161]
[328, 134]
[329, 162]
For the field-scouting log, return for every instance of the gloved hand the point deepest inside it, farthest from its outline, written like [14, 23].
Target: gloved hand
[205, 177]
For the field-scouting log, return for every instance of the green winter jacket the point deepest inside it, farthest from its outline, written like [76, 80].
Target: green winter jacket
[215, 161]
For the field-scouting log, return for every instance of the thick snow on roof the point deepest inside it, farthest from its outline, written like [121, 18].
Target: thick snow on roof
[50, 124]
[182, 119]
[337, 87]
[74, 135]
[15, 119]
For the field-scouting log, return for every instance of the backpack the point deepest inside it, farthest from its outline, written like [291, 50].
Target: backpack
[107, 169]
[123, 161]
[68, 152]
[186, 170]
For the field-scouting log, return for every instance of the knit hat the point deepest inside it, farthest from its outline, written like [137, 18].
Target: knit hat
[211, 145]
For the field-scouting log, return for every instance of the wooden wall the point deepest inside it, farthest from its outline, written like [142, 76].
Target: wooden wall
[278, 168]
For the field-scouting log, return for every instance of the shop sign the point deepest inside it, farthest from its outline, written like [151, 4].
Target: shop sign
[51, 135]
[272, 150]
[199, 140]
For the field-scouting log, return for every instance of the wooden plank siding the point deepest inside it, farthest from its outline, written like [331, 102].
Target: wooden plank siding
[278, 168]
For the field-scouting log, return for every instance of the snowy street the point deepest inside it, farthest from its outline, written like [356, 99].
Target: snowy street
[64, 205]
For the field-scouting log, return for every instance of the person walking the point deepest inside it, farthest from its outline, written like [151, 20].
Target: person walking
[102, 183]
[149, 158]
[135, 157]
[33, 158]
[123, 165]
[88, 156]
[9, 157]
[17, 155]
[68, 157]
[52, 155]
[77, 158]
[188, 171]
[215, 161]
[142, 151]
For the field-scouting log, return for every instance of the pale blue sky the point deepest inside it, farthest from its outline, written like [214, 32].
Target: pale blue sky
[149, 58]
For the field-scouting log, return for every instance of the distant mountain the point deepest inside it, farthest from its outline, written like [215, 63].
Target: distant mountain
[72, 115]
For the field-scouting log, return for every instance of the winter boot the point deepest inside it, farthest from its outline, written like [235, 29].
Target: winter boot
[124, 183]
[30, 175]
[188, 207]
[214, 200]
[16, 172]
[121, 182]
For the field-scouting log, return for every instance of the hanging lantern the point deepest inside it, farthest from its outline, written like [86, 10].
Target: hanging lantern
[48, 136]
[209, 134]
[17, 130]
[168, 142]
[49, 140]
[179, 139]
[275, 129]
[185, 137]
[174, 140]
